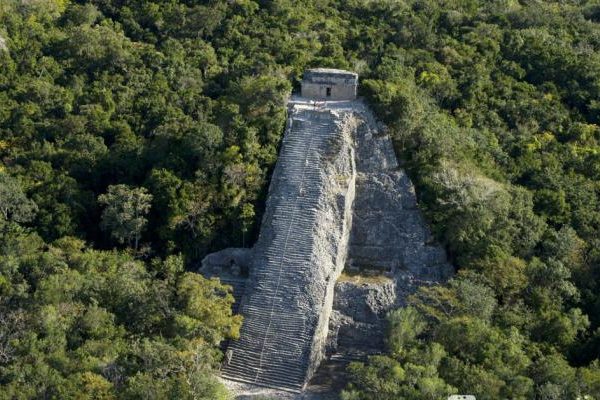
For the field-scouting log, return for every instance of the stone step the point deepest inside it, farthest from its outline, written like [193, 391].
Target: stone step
[281, 384]
[282, 372]
[268, 357]
[289, 256]
[299, 327]
[282, 377]
[294, 247]
[348, 357]
[297, 204]
[292, 387]
[296, 242]
[282, 318]
[295, 176]
[269, 292]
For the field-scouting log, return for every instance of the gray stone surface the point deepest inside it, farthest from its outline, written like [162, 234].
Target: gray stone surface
[232, 266]
[388, 231]
[253, 392]
[337, 199]
[359, 310]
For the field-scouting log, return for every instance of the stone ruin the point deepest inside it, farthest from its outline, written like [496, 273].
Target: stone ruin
[337, 200]
[329, 84]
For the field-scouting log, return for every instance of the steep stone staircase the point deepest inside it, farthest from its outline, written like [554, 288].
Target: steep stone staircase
[277, 335]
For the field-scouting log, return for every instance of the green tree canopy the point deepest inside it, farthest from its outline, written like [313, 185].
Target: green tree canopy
[124, 213]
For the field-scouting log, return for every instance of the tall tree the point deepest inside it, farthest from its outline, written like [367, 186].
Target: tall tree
[125, 212]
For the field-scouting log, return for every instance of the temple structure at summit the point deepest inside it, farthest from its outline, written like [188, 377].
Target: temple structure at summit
[329, 84]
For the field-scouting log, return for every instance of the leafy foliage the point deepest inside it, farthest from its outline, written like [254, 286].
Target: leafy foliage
[82, 323]
[125, 211]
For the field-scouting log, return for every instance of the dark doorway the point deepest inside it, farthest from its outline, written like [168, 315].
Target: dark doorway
[328, 92]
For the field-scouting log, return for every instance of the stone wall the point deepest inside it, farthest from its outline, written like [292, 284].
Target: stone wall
[318, 91]
[389, 233]
[341, 84]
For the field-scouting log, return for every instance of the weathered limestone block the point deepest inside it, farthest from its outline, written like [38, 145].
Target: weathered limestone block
[388, 230]
[375, 300]
[385, 191]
